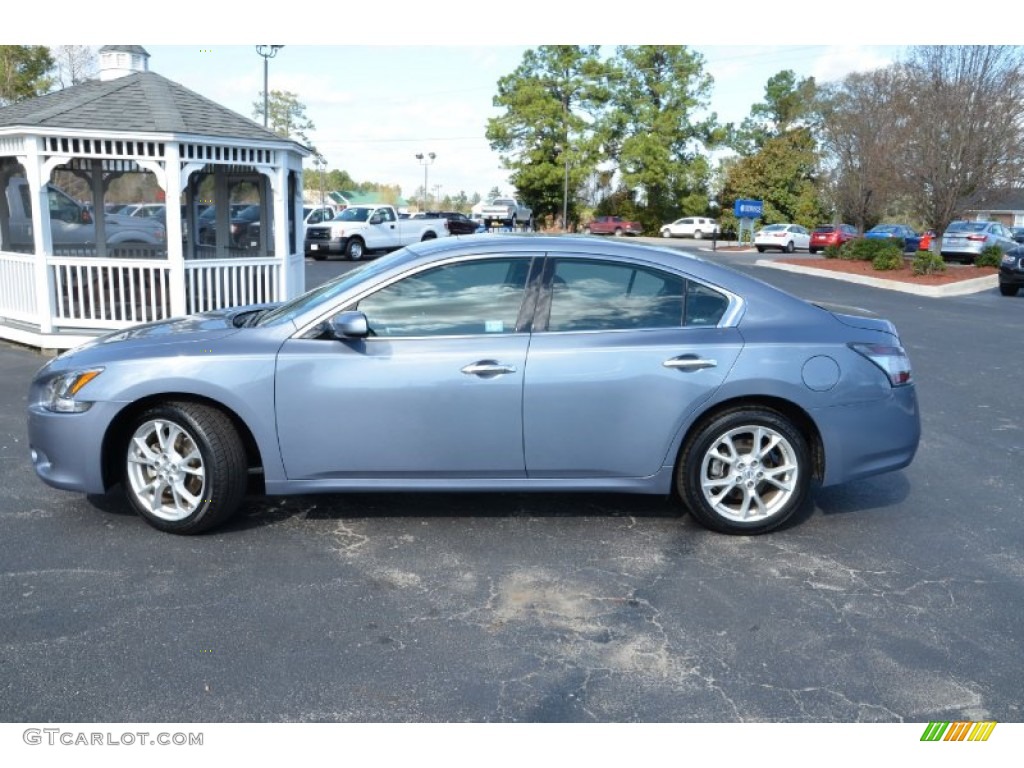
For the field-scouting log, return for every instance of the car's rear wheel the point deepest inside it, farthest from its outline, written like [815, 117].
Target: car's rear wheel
[698, 235]
[184, 467]
[790, 247]
[1008, 290]
[760, 249]
[744, 471]
[812, 251]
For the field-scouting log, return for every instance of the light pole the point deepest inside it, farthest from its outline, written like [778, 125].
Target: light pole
[321, 163]
[425, 160]
[267, 52]
[565, 189]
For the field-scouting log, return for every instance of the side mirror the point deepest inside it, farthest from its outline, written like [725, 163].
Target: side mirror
[350, 325]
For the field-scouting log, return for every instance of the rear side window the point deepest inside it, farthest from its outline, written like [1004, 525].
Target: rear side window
[599, 296]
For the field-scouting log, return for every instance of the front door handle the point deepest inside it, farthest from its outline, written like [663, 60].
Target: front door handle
[689, 363]
[487, 368]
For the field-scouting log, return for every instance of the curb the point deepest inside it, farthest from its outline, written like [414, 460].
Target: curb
[962, 288]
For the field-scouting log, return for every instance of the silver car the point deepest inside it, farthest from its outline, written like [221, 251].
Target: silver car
[965, 240]
[493, 363]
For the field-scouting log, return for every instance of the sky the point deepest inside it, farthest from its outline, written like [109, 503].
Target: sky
[382, 84]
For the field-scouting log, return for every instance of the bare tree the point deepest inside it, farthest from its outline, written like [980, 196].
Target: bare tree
[75, 64]
[967, 118]
[864, 122]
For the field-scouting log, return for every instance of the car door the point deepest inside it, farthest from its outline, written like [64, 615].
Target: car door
[435, 391]
[622, 353]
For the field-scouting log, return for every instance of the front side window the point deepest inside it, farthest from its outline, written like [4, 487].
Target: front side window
[475, 297]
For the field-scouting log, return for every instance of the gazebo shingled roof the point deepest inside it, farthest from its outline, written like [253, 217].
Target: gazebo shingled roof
[142, 102]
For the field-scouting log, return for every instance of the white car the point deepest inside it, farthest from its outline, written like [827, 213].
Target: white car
[785, 237]
[696, 227]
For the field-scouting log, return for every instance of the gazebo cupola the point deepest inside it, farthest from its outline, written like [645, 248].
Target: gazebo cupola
[132, 198]
[120, 60]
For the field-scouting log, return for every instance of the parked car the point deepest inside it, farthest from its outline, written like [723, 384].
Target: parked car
[696, 227]
[207, 221]
[506, 212]
[614, 225]
[1011, 271]
[458, 223]
[831, 235]
[899, 233]
[491, 363]
[362, 229]
[146, 211]
[238, 227]
[310, 215]
[785, 237]
[965, 240]
[1018, 234]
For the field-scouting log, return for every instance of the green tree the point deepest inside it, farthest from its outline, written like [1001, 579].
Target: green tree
[546, 135]
[784, 175]
[788, 103]
[24, 72]
[286, 115]
[651, 132]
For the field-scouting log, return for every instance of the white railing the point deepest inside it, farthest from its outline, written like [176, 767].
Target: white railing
[17, 287]
[109, 293]
[89, 295]
[218, 283]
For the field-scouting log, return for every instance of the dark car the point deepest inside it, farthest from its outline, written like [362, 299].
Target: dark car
[241, 217]
[900, 233]
[1018, 234]
[831, 234]
[1011, 271]
[458, 223]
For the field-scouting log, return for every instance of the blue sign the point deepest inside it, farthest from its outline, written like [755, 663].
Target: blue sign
[748, 209]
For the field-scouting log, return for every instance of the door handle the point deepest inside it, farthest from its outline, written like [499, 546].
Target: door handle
[488, 368]
[689, 363]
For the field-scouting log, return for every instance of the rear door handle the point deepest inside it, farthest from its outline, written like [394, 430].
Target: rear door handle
[689, 363]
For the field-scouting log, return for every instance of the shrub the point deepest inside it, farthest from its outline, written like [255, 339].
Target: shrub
[864, 249]
[927, 263]
[990, 256]
[831, 252]
[888, 259]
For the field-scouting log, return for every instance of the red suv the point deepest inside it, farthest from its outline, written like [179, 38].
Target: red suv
[831, 234]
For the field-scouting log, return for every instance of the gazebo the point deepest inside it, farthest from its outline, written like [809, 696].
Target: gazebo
[74, 263]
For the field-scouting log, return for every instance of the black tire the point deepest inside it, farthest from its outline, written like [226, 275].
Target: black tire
[355, 249]
[194, 457]
[737, 494]
[698, 235]
[1008, 290]
[760, 249]
[318, 255]
[428, 236]
[812, 251]
[513, 224]
[790, 247]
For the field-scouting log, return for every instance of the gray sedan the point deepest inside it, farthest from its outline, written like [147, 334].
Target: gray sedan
[509, 363]
[965, 240]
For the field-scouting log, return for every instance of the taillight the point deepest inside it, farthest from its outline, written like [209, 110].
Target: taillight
[891, 359]
[976, 238]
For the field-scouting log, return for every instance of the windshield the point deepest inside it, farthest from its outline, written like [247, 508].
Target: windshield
[326, 292]
[353, 214]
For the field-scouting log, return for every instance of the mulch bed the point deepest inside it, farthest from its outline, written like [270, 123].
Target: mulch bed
[955, 273]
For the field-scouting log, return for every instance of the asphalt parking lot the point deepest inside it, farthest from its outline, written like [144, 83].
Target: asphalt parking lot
[894, 599]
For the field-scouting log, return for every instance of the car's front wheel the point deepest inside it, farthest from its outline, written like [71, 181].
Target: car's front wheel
[185, 468]
[355, 249]
[790, 247]
[666, 233]
[744, 471]
[1008, 290]
[698, 235]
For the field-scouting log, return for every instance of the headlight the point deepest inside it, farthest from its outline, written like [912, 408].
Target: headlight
[1009, 259]
[60, 392]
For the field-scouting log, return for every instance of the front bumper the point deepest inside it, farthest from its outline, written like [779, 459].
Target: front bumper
[334, 245]
[67, 448]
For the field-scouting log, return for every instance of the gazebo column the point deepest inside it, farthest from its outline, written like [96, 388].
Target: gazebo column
[43, 238]
[176, 182]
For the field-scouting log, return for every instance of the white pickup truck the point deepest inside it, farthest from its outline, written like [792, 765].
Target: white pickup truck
[506, 212]
[360, 229]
